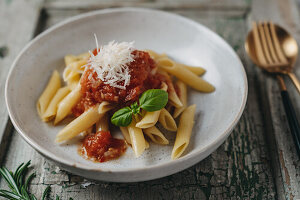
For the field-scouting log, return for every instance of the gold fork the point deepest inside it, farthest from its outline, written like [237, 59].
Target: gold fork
[278, 49]
[264, 49]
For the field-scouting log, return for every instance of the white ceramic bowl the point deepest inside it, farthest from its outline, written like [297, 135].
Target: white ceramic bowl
[183, 39]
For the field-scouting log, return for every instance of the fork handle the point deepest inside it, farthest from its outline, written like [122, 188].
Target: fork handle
[292, 119]
[295, 80]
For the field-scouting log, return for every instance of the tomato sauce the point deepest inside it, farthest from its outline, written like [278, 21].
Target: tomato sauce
[95, 91]
[101, 147]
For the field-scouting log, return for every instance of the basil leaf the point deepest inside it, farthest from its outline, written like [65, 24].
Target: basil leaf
[122, 117]
[153, 100]
[135, 108]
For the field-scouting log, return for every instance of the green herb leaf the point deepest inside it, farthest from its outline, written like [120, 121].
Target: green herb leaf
[18, 185]
[122, 117]
[46, 192]
[153, 100]
[135, 108]
[9, 195]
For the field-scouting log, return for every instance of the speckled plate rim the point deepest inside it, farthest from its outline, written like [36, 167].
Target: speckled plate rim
[206, 150]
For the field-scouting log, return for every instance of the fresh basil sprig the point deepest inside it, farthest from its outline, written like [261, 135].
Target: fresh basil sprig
[151, 100]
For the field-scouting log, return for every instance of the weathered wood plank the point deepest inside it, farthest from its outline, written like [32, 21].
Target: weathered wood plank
[286, 14]
[239, 169]
[159, 4]
[17, 20]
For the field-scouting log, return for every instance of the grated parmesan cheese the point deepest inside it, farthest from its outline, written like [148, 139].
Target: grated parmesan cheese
[110, 63]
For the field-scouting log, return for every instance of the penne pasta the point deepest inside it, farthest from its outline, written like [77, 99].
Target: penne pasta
[199, 71]
[104, 107]
[125, 133]
[119, 76]
[80, 124]
[156, 136]
[69, 59]
[88, 131]
[53, 85]
[83, 56]
[185, 75]
[173, 97]
[169, 107]
[137, 139]
[196, 70]
[73, 71]
[167, 121]
[102, 124]
[147, 145]
[182, 96]
[183, 135]
[72, 58]
[154, 55]
[65, 106]
[150, 118]
[52, 108]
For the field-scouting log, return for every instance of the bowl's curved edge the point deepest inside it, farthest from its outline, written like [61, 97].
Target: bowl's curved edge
[189, 159]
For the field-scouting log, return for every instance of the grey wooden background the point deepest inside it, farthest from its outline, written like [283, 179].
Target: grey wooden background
[257, 161]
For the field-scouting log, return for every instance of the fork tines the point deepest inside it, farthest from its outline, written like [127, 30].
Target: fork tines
[267, 45]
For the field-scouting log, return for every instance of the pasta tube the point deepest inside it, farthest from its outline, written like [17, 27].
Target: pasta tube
[125, 133]
[87, 131]
[185, 75]
[182, 96]
[102, 124]
[173, 97]
[155, 55]
[72, 58]
[104, 107]
[199, 71]
[183, 135]
[150, 118]
[137, 139]
[53, 85]
[80, 124]
[196, 70]
[147, 145]
[167, 121]
[156, 136]
[52, 108]
[69, 59]
[73, 71]
[65, 106]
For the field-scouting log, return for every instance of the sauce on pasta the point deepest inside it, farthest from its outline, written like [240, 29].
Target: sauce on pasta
[101, 147]
[142, 78]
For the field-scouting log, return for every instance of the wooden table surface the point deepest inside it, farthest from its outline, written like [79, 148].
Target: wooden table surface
[257, 161]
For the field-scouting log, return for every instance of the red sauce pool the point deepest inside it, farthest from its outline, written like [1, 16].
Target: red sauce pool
[101, 147]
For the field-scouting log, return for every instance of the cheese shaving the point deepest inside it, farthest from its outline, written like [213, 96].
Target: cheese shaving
[111, 63]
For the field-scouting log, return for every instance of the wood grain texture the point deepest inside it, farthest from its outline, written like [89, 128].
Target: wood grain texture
[239, 169]
[13, 36]
[158, 4]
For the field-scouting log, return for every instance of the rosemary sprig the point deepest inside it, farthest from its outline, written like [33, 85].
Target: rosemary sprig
[18, 185]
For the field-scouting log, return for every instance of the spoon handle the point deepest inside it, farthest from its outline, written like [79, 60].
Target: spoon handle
[295, 80]
[290, 114]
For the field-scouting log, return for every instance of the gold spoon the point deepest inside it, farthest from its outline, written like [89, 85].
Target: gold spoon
[274, 50]
[282, 41]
